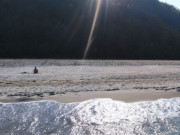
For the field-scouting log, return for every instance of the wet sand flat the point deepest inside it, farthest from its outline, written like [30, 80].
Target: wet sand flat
[123, 95]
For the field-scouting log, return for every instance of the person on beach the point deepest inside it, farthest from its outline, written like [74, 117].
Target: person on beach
[35, 70]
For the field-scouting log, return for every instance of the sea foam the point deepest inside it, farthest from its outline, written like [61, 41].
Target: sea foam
[97, 116]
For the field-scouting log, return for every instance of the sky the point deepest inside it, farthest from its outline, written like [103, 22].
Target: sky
[175, 3]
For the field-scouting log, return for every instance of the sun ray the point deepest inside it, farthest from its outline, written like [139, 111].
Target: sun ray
[98, 4]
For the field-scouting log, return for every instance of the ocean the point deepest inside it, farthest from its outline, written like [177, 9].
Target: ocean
[92, 117]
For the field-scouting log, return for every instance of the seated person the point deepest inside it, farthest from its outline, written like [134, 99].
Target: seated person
[35, 70]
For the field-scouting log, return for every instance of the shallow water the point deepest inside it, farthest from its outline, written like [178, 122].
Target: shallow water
[98, 116]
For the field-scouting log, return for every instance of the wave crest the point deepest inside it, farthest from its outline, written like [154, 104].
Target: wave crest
[98, 116]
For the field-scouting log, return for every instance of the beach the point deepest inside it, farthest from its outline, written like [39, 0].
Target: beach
[127, 96]
[75, 80]
[123, 95]
[89, 97]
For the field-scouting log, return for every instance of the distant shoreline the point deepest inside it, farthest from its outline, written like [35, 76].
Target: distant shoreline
[81, 62]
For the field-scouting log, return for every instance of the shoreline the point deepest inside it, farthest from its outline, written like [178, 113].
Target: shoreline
[127, 96]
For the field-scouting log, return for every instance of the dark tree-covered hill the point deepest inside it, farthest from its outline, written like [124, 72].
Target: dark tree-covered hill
[125, 29]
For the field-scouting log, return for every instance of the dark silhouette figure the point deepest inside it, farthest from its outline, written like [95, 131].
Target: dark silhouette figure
[35, 70]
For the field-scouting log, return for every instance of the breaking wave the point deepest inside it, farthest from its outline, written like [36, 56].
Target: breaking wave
[98, 116]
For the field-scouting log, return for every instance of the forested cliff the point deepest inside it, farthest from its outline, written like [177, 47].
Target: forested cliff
[125, 29]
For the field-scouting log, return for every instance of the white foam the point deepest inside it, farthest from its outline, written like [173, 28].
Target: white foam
[98, 116]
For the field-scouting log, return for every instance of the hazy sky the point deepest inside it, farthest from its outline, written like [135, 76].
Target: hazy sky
[175, 3]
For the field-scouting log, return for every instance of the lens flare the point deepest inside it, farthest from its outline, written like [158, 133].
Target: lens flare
[98, 4]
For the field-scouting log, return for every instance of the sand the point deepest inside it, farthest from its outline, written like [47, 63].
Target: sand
[122, 95]
[74, 81]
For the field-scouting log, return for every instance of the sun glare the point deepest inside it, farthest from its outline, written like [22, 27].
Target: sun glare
[98, 4]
